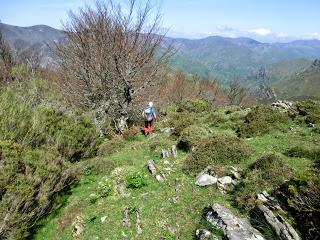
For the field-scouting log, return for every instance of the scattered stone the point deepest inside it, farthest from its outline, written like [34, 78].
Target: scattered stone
[234, 228]
[178, 187]
[166, 162]
[78, 226]
[203, 234]
[311, 125]
[126, 217]
[121, 187]
[166, 130]
[154, 171]
[124, 234]
[174, 200]
[174, 151]
[205, 180]
[225, 180]
[138, 223]
[282, 105]
[165, 153]
[235, 174]
[280, 226]
[103, 219]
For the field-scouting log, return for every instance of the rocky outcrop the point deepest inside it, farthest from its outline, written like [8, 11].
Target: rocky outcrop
[234, 228]
[78, 226]
[280, 226]
[282, 105]
[166, 153]
[154, 171]
[206, 180]
[204, 234]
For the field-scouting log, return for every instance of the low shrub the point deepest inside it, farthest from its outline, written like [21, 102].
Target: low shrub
[179, 121]
[221, 149]
[29, 181]
[191, 136]
[136, 180]
[193, 105]
[261, 120]
[301, 151]
[98, 165]
[110, 146]
[301, 199]
[310, 110]
[266, 174]
[131, 133]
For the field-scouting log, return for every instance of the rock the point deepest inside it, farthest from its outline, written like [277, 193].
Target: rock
[165, 153]
[205, 180]
[178, 187]
[174, 151]
[154, 171]
[235, 174]
[103, 219]
[225, 180]
[234, 228]
[203, 234]
[282, 105]
[78, 226]
[166, 130]
[126, 217]
[138, 223]
[280, 226]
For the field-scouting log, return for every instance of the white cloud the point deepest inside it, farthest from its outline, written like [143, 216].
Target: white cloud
[261, 31]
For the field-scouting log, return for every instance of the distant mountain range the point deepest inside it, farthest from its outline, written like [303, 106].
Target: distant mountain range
[222, 58]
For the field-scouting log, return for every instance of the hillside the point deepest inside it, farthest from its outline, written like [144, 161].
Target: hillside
[227, 58]
[118, 197]
[217, 57]
[303, 85]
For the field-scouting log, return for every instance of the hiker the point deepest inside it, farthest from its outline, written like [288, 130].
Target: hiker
[150, 116]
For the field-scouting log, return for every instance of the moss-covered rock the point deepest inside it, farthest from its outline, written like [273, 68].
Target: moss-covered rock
[191, 136]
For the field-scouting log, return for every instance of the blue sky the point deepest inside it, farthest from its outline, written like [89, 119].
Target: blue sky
[264, 20]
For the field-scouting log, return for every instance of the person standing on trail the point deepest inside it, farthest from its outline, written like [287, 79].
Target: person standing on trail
[150, 117]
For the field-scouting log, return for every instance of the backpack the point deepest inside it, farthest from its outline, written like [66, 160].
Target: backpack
[148, 114]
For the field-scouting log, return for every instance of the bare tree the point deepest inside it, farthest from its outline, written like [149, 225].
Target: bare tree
[31, 58]
[112, 55]
[236, 92]
[6, 61]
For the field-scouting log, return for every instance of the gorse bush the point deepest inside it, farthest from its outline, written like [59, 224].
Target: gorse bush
[193, 105]
[110, 146]
[73, 135]
[191, 136]
[37, 146]
[310, 110]
[300, 196]
[301, 151]
[179, 121]
[217, 150]
[29, 180]
[266, 174]
[260, 120]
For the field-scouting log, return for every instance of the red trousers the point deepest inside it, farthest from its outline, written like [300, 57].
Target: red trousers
[148, 127]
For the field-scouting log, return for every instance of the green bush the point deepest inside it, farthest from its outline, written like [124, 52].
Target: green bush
[29, 181]
[136, 180]
[193, 105]
[301, 151]
[111, 146]
[98, 165]
[191, 136]
[310, 110]
[261, 120]
[221, 149]
[179, 121]
[300, 196]
[266, 174]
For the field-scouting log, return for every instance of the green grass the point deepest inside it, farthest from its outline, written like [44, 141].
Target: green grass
[166, 214]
